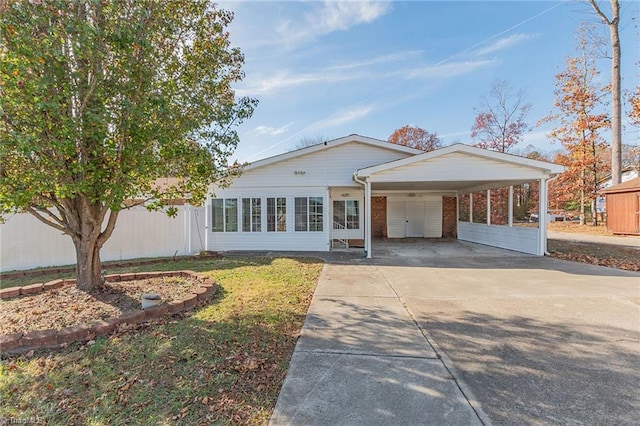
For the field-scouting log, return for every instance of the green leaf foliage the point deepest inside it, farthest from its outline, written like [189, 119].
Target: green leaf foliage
[99, 99]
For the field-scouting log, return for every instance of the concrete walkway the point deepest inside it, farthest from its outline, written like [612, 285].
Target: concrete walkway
[362, 360]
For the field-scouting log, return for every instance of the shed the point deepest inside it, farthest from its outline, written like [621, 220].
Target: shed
[623, 207]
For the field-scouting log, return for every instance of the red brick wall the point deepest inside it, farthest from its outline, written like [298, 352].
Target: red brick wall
[379, 217]
[449, 217]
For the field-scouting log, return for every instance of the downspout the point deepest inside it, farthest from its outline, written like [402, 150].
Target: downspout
[546, 252]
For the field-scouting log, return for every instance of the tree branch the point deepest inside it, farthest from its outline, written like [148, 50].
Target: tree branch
[600, 13]
[36, 212]
[111, 224]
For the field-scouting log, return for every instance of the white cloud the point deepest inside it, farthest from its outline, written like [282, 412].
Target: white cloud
[285, 80]
[332, 16]
[336, 119]
[342, 117]
[349, 72]
[273, 131]
[341, 15]
[384, 59]
[447, 69]
[505, 43]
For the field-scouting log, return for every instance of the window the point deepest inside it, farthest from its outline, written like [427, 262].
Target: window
[224, 213]
[230, 215]
[346, 214]
[301, 213]
[308, 214]
[251, 215]
[217, 220]
[277, 214]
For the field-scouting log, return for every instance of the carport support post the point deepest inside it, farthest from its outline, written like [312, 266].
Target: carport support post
[367, 209]
[510, 206]
[542, 216]
[488, 207]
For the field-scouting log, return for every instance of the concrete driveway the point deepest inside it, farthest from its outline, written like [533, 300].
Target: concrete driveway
[529, 340]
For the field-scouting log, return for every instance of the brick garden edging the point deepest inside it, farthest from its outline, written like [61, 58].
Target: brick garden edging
[22, 342]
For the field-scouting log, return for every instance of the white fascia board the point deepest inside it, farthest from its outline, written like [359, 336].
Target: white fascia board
[550, 168]
[332, 144]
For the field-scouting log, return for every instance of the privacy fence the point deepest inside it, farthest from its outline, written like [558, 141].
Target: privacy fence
[27, 243]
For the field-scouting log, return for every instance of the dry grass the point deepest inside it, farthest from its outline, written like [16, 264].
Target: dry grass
[576, 228]
[223, 365]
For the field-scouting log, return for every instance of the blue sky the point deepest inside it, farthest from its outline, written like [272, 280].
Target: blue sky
[329, 69]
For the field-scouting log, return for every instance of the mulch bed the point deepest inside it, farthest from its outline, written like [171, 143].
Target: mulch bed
[68, 306]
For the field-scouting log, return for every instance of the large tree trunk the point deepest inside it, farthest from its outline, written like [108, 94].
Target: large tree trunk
[82, 220]
[88, 238]
[88, 265]
[616, 125]
[616, 102]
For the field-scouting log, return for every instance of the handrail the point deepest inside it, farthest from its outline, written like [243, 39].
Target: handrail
[338, 225]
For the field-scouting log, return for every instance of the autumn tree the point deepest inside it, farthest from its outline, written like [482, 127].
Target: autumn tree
[579, 123]
[634, 107]
[500, 122]
[415, 137]
[613, 23]
[98, 99]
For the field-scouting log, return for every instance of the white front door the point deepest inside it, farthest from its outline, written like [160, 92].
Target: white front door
[414, 217]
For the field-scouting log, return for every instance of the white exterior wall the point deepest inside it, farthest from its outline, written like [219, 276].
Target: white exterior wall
[396, 219]
[330, 167]
[456, 167]
[517, 238]
[327, 173]
[290, 240]
[27, 243]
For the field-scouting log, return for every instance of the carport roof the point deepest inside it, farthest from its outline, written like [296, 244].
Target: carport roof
[457, 167]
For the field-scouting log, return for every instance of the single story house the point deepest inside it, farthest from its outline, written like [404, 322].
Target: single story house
[623, 207]
[355, 189]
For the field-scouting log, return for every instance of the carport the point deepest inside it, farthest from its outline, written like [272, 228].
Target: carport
[416, 188]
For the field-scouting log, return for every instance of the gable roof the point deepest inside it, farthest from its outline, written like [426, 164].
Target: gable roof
[332, 144]
[550, 168]
[628, 186]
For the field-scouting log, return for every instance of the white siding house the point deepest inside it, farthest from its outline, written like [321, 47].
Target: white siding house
[309, 199]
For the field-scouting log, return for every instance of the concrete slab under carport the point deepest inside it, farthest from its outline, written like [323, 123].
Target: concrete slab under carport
[425, 248]
[537, 340]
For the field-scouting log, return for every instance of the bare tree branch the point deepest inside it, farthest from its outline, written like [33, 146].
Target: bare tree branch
[54, 224]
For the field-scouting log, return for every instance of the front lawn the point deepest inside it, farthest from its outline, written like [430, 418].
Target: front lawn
[575, 228]
[223, 365]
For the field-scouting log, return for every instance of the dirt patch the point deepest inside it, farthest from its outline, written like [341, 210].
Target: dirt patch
[68, 306]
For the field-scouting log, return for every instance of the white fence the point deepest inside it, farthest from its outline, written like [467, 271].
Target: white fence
[27, 243]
